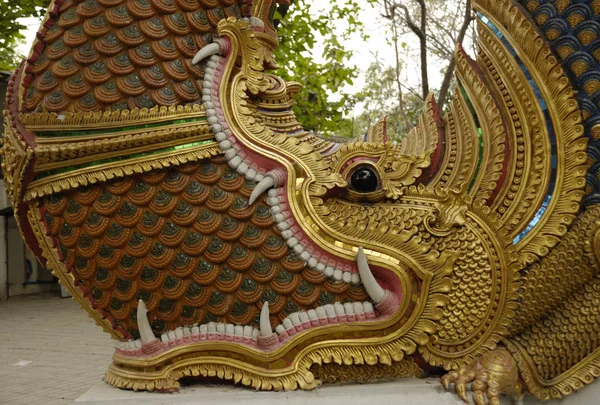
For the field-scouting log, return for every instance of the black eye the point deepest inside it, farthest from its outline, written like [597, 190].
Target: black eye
[364, 180]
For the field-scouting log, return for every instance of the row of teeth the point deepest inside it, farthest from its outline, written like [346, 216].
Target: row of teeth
[285, 226]
[233, 153]
[196, 333]
[236, 159]
[324, 315]
[292, 324]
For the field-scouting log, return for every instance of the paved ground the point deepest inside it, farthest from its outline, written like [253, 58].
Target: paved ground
[67, 351]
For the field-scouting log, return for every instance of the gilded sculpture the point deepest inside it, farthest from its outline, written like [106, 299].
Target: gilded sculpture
[155, 165]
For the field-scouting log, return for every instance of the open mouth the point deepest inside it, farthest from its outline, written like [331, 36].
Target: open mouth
[264, 337]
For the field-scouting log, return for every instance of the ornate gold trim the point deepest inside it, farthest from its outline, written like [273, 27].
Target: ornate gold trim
[53, 122]
[107, 171]
[566, 118]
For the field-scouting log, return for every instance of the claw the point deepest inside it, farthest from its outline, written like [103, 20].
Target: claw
[373, 288]
[265, 323]
[205, 52]
[461, 389]
[143, 325]
[266, 183]
[449, 378]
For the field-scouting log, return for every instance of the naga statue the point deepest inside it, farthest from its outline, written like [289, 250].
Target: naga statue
[156, 166]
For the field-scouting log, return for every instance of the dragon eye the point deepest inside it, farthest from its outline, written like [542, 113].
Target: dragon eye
[364, 180]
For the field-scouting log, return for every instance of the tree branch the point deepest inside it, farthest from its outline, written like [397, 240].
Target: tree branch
[468, 17]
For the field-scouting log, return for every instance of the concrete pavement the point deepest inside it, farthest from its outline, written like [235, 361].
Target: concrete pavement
[67, 352]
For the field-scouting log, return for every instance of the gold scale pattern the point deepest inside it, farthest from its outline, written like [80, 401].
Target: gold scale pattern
[343, 374]
[567, 339]
[547, 283]
[121, 54]
[185, 241]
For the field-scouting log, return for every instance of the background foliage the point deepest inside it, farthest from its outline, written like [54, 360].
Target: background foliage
[11, 29]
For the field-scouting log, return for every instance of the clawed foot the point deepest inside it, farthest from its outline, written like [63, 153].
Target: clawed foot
[492, 374]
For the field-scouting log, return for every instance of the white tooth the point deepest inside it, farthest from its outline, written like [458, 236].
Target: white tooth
[265, 322]
[164, 337]
[225, 145]
[195, 330]
[220, 327]
[248, 331]
[321, 312]
[235, 162]
[287, 234]
[303, 317]
[255, 333]
[346, 277]
[272, 192]
[358, 308]
[321, 267]
[337, 274]
[339, 309]
[295, 318]
[291, 242]
[330, 310]
[373, 288]
[209, 105]
[273, 201]
[230, 154]
[143, 324]
[229, 329]
[259, 177]
[243, 168]
[207, 84]
[179, 332]
[280, 329]
[220, 136]
[187, 331]
[205, 52]
[217, 128]
[312, 262]
[129, 345]
[138, 344]
[211, 112]
[203, 328]
[215, 59]
[305, 256]
[206, 98]
[212, 120]
[312, 315]
[349, 308]
[207, 93]
[238, 330]
[368, 306]
[212, 327]
[282, 225]
[260, 188]
[279, 218]
[355, 279]
[299, 249]
[275, 210]
[287, 323]
[251, 174]
[328, 271]
[171, 335]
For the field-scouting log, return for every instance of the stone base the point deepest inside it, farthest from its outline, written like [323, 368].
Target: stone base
[402, 392]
